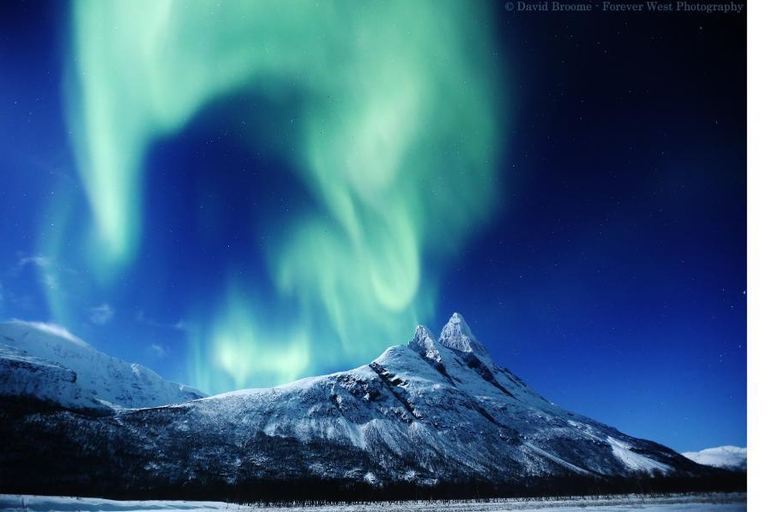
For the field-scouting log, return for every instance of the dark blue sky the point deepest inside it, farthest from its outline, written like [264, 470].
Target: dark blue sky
[611, 277]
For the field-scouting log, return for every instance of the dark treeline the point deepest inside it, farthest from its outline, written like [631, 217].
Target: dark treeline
[318, 491]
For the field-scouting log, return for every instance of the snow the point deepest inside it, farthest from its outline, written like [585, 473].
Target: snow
[633, 460]
[55, 330]
[25, 375]
[424, 340]
[556, 459]
[457, 335]
[88, 376]
[672, 503]
[731, 457]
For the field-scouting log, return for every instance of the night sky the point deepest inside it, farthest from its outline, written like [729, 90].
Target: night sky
[244, 198]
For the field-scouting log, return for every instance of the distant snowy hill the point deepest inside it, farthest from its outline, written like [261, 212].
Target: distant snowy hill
[730, 457]
[47, 362]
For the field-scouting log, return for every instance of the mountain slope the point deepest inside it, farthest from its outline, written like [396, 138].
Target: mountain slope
[48, 362]
[730, 457]
[436, 412]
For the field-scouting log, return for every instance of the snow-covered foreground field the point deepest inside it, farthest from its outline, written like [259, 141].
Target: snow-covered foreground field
[677, 503]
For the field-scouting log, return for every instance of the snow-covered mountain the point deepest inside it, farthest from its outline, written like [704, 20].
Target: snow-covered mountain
[438, 407]
[48, 362]
[435, 412]
[730, 457]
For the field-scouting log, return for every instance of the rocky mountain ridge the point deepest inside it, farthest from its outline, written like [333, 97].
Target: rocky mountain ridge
[437, 413]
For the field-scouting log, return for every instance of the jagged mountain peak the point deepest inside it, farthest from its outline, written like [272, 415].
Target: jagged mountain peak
[423, 333]
[423, 339]
[458, 336]
[424, 344]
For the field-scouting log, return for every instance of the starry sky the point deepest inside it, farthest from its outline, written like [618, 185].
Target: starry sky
[241, 196]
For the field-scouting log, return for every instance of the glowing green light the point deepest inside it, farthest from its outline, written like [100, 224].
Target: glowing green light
[251, 354]
[396, 137]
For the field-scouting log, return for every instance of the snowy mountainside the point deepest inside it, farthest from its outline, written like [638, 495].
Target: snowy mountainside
[439, 403]
[729, 457]
[47, 362]
[437, 413]
[24, 375]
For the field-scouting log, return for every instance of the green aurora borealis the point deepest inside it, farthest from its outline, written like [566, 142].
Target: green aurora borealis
[396, 137]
